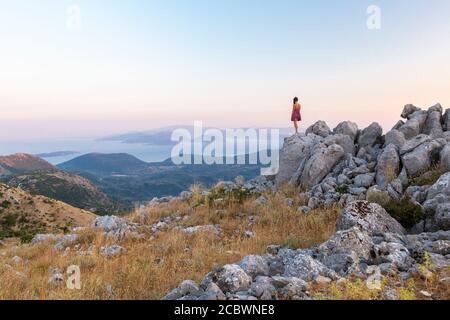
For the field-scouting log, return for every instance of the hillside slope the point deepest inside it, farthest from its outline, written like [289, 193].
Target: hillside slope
[23, 215]
[38, 177]
[22, 162]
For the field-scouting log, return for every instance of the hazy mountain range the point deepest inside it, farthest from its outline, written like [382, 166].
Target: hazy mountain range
[110, 183]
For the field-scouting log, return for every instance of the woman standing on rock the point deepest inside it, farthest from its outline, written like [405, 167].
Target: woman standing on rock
[296, 116]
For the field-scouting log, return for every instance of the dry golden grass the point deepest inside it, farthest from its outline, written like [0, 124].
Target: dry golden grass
[151, 268]
[356, 289]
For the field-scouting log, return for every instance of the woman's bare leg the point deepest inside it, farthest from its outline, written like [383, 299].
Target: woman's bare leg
[296, 126]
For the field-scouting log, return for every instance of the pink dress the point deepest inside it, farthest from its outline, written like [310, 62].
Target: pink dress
[296, 116]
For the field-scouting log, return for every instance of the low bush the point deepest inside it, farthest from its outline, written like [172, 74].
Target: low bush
[405, 212]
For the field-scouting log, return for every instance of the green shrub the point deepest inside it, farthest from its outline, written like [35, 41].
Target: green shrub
[233, 196]
[5, 204]
[405, 212]
[342, 189]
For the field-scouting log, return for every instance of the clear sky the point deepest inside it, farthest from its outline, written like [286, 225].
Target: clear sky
[136, 65]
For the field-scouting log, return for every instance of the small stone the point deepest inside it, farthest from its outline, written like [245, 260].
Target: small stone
[425, 294]
[322, 280]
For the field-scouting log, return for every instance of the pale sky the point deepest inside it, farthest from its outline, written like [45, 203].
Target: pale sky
[138, 65]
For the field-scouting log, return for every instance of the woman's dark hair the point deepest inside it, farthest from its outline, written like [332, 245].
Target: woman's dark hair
[295, 100]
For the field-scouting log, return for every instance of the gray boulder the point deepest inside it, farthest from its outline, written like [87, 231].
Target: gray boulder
[446, 120]
[320, 164]
[296, 150]
[263, 288]
[436, 205]
[304, 267]
[414, 125]
[421, 158]
[344, 250]
[186, 288]
[370, 217]
[408, 110]
[364, 180]
[445, 157]
[232, 278]
[347, 128]
[388, 166]
[255, 266]
[343, 140]
[319, 128]
[396, 138]
[370, 135]
[394, 253]
[415, 142]
[112, 251]
[433, 124]
[442, 216]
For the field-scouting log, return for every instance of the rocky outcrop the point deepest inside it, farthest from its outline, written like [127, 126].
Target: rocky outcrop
[345, 165]
[367, 239]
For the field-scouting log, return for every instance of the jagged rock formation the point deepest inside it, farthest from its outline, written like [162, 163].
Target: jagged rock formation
[347, 164]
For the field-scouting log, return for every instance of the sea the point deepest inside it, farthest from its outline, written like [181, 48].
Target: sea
[145, 152]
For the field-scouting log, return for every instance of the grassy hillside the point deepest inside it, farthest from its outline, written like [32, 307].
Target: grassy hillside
[23, 215]
[72, 189]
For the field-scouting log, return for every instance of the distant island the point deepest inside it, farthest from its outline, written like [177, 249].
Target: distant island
[56, 154]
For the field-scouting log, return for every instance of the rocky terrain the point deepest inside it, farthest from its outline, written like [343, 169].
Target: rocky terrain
[348, 164]
[352, 214]
[359, 170]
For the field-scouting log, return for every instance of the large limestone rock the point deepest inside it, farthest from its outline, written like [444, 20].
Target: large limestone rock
[296, 150]
[413, 143]
[421, 158]
[320, 164]
[343, 140]
[347, 128]
[408, 110]
[255, 266]
[437, 205]
[319, 128]
[344, 250]
[304, 267]
[231, 278]
[388, 166]
[414, 125]
[433, 124]
[370, 217]
[446, 120]
[370, 135]
[395, 137]
[445, 157]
